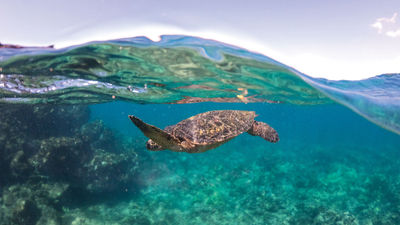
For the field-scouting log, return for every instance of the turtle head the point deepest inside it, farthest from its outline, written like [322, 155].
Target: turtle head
[152, 146]
[265, 131]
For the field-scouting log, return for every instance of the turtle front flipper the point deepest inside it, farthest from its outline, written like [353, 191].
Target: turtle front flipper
[265, 131]
[157, 135]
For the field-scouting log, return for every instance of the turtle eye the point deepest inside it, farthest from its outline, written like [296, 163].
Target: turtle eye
[152, 146]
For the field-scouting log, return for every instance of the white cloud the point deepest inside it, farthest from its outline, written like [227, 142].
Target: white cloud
[387, 26]
[393, 33]
[378, 25]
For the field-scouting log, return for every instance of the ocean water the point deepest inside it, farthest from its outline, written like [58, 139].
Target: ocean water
[70, 154]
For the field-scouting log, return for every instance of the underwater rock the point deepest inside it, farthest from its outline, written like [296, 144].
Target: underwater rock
[19, 166]
[23, 126]
[332, 217]
[318, 215]
[125, 213]
[72, 159]
[31, 204]
[107, 172]
[57, 142]
[99, 136]
[48, 152]
[111, 166]
[61, 157]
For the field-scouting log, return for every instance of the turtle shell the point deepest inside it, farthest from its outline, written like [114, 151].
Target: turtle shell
[213, 127]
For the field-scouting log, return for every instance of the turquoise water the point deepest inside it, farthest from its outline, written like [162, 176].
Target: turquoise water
[70, 155]
[330, 166]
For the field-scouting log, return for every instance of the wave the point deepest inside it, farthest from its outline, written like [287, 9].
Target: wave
[181, 69]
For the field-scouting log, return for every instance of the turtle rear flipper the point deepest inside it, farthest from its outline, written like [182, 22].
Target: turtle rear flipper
[156, 134]
[265, 131]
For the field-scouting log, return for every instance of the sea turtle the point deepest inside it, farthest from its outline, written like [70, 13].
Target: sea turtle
[204, 131]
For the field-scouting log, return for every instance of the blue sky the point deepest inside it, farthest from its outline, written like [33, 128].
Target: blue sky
[333, 39]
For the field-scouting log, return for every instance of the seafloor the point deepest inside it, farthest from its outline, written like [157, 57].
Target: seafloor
[88, 165]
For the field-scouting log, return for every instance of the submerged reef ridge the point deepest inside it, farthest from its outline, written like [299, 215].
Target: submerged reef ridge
[42, 169]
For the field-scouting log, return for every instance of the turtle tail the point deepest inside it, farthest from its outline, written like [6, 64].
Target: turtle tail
[265, 131]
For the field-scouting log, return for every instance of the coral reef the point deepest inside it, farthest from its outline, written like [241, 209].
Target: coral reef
[47, 153]
[23, 127]
[107, 172]
[32, 203]
[324, 186]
